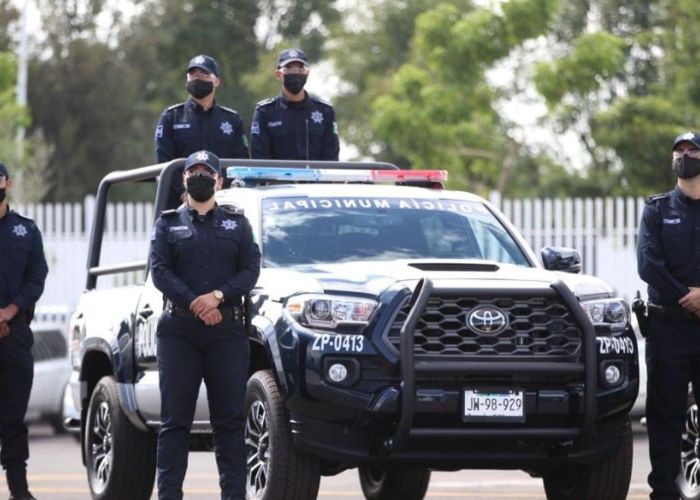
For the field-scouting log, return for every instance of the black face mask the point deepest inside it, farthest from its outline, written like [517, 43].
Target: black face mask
[200, 187]
[686, 167]
[3, 193]
[294, 83]
[199, 88]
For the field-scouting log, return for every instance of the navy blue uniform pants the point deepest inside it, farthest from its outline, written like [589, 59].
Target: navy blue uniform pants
[189, 352]
[16, 376]
[673, 360]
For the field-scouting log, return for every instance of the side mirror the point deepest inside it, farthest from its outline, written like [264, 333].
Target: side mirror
[561, 259]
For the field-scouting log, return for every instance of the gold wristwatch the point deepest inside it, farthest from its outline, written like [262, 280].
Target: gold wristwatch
[219, 295]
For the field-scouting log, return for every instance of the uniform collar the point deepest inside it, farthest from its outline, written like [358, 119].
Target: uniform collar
[7, 214]
[685, 200]
[194, 106]
[286, 103]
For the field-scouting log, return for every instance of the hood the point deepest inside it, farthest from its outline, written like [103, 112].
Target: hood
[374, 278]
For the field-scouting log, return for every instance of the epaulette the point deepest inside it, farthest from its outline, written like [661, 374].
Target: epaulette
[321, 101]
[265, 102]
[168, 213]
[230, 110]
[175, 106]
[232, 209]
[23, 217]
[656, 197]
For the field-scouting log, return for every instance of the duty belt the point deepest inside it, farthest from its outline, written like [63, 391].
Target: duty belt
[227, 313]
[670, 312]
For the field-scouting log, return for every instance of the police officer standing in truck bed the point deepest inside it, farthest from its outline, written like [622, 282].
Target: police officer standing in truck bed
[294, 125]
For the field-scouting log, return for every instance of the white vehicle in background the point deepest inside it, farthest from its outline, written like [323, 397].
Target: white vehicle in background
[51, 367]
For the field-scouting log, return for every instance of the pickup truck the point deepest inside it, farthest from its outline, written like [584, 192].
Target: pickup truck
[397, 327]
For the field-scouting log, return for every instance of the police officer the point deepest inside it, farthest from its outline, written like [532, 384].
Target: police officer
[199, 123]
[668, 253]
[22, 274]
[203, 258]
[294, 125]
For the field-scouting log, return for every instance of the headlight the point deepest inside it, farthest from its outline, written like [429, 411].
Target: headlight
[328, 311]
[613, 313]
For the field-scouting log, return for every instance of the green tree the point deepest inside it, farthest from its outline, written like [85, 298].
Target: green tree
[626, 84]
[27, 157]
[440, 109]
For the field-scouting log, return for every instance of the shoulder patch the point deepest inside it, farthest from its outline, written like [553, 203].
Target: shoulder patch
[230, 110]
[232, 209]
[656, 197]
[168, 213]
[265, 102]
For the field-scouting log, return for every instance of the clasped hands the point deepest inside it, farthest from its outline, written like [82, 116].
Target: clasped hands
[691, 301]
[206, 308]
[6, 314]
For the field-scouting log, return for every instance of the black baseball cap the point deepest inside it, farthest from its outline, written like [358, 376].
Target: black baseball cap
[292, 55]
[3, 171]
[691, 137]
[203, 158]
[204, 62]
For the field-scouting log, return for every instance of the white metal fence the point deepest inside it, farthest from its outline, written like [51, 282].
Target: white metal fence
[603, 230]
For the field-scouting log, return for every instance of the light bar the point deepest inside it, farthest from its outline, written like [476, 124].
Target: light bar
[334, 175]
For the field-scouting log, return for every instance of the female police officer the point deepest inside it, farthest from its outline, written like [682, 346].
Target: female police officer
[203, 258]
[668, 256]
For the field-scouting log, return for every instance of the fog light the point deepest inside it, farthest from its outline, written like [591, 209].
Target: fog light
[337, 372]
[612, 375]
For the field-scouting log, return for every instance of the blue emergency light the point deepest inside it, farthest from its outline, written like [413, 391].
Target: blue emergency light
[334, 175]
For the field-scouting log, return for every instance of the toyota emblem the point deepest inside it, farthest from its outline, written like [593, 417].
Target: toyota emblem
[487, 320]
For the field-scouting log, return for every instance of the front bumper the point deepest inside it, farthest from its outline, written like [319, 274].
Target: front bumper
[410, 409]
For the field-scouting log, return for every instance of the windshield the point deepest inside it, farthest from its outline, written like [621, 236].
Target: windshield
[306, 230]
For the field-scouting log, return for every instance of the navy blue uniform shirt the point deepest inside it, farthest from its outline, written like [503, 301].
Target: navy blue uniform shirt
[194, 254]
[668, 248]
[286, 130]
[23, 266]
[187, 127]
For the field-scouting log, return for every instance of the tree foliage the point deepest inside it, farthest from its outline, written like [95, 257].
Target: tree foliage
[440, 107]
[627, 88]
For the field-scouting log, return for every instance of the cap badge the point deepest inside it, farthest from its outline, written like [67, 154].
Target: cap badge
[293, 53]
[688, 136]
[199, 60]
[226, 128]
[202, 156]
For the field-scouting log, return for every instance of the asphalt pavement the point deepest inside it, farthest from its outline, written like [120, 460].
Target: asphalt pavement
[56, 473]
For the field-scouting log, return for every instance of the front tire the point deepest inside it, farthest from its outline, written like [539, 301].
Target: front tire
[404, 484]
[608, 479]
[120, 459]
[689, 477]
[276, 468]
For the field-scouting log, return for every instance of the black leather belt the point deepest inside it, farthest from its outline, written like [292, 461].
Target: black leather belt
[227, 313]
[670, 312]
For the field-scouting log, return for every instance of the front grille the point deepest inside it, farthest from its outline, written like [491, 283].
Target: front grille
[539, 327]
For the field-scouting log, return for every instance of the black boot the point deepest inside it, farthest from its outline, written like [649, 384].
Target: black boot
[22, 496]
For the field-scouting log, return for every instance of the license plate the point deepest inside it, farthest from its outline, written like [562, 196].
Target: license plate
[490, 406]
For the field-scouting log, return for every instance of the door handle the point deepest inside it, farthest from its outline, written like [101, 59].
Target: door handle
[146, 312]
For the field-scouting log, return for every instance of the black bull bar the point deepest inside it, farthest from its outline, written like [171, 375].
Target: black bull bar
[409, 367]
